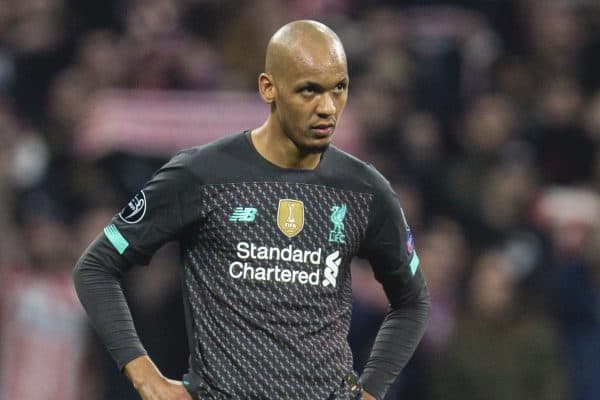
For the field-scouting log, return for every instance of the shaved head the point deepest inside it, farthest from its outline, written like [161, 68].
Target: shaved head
[306, 85]
[303, 43]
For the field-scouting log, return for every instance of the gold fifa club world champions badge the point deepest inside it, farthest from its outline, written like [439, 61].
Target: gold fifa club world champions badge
[290, 217]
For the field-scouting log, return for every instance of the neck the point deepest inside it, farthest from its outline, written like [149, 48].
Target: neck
[274, 146]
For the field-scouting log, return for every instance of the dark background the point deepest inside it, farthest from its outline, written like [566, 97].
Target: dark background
[484, 115]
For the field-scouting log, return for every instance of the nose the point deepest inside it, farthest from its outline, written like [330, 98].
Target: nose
[326, 106]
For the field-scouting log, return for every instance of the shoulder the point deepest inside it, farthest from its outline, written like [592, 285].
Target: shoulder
[354, 173]
[205, 160]
[220, 147]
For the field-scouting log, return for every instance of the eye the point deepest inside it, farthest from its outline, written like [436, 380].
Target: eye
[307, 90]
[340, 87]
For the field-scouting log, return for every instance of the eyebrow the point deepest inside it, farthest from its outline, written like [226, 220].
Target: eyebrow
[308, 83]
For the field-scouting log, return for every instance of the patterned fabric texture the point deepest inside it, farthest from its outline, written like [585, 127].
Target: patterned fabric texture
[269, 312]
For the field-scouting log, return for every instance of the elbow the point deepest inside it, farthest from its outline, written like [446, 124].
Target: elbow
[96, 267]
[424, 302]
[77, 276]
[82, 277]
[426, 297]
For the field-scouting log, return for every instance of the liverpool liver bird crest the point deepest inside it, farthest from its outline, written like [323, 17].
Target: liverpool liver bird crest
[337, 234]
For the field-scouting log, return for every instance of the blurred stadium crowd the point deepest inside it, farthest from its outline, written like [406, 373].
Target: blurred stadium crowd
[485, 116]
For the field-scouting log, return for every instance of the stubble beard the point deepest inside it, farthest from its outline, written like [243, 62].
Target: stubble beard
[312, 149]
[309, 149]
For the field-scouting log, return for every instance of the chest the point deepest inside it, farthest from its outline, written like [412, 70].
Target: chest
[281, 219]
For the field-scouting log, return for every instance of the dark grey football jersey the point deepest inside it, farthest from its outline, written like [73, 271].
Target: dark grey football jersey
[266, 254]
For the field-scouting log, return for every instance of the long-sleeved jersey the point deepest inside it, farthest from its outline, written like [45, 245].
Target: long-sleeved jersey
[266, 253]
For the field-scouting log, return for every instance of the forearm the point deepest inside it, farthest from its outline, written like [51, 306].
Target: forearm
[395, 344]
[97, 278]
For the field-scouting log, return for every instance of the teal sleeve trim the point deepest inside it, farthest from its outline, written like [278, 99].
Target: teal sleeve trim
[115, 238]
[414, 263]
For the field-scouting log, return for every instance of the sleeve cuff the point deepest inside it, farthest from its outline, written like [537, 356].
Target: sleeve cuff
[122, 357]
[373, 386]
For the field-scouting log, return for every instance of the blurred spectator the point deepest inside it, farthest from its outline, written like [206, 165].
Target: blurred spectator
[242, 38]
[39, 40]
[421, 140]
[67, 100]
[8, 136]
[42, 332]
[507, 189]
[474, 109]
[591, 118]
[495, 353]
[591, 127]
[555, 36]
[99, 55]
[487, 132]
[23, 164]
[151, 41]
[564, 152]
[444, 256]
[199, 66]
[571, 218]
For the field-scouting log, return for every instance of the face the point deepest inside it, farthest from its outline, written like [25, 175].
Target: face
[309, 97]
[493, 286]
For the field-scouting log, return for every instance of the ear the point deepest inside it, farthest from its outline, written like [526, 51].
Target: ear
[266, 88]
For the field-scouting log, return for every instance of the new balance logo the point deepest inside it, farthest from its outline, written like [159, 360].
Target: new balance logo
[243, 214]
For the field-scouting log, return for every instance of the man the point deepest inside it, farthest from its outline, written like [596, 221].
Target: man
[268, 221]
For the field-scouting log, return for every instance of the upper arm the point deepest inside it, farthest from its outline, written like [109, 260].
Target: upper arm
[389, 247]
[167, 203]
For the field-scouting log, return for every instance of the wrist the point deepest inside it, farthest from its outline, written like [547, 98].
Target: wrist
[367, 396]
[141, 371]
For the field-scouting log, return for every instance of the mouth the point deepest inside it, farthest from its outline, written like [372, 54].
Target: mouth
[323, 130]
